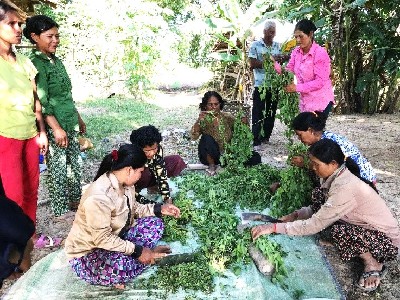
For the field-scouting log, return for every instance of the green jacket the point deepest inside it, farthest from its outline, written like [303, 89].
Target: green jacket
[55, 90]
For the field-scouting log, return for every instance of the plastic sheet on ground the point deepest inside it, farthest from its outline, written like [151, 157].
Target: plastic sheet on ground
[309, 276]
[53, 278]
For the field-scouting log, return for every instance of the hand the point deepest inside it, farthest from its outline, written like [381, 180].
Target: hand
[202, 115]
[291, 88]
[82, 126]
[42, 142]
[260, 230]
[60, 137]
[297, 161]
[170, 210]
[274, 186]
[169, 201]
[148, 256]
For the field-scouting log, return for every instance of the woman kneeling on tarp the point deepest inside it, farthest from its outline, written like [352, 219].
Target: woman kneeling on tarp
[361, 223]
[113, 237]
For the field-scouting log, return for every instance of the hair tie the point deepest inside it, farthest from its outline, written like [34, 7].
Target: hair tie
[114, 155]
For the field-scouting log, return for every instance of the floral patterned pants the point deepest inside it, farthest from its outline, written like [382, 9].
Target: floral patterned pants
[65, 173]
[103, 267]
[352, 240]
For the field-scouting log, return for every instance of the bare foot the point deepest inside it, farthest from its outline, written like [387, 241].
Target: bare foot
[120, 286]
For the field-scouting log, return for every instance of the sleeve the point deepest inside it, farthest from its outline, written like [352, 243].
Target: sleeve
[160, 172]
[195, 132]
[292, 61]
[322, 71]
[337, 206]
[98, 210]
[43, 89]
[252, 51]
[28, 66]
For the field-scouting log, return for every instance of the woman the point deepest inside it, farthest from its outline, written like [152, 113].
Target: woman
[63, 122]
[312, 67]
[22, 130]
[158, 168]
[113, 237]
[361, 222]
[215, 128]
[309, 127]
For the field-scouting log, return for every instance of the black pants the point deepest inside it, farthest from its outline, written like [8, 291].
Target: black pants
[208, 145]
[259, 121]
[16, 229]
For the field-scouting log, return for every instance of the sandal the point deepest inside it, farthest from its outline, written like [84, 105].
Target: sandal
[46, 241]
[379, 274]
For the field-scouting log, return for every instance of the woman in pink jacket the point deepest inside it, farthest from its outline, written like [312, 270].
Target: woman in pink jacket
[311, 65]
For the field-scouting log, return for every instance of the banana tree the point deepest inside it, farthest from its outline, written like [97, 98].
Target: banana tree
[232, 28]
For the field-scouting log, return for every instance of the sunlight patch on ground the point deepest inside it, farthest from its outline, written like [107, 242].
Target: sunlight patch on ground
[378, 171]
[174, 99]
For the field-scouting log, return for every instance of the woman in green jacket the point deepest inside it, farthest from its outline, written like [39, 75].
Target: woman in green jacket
[63, 122]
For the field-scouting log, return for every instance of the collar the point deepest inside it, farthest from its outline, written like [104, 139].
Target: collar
[41, 55]
[326, 184]
[312, 51]
[115, 184]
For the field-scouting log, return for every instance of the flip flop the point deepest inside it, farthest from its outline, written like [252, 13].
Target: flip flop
[46, 241]
[379, 274]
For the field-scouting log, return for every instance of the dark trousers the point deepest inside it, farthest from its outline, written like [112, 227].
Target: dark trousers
[208, 146]
[262, 126]
[16, 228]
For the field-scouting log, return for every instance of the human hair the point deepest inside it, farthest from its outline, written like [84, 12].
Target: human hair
[305, 26]
[327, 151]
[269, 24]
[7, 7]
[316, 120]
[37, 25]
[146, 136]
[128, 155]
[207, 97]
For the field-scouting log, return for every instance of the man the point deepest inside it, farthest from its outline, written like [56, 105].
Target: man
[263, 123]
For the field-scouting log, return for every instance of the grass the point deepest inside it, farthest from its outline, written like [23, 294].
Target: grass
[110, 121]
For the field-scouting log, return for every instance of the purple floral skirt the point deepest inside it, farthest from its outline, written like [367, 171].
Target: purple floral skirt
[103, 267]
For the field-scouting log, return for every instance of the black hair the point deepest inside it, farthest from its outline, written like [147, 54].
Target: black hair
[306, 26]
[37, 25]
[6, 8]
[327, 151]
[316, 120]
[146, 136]
[207, 96]
[128, 155]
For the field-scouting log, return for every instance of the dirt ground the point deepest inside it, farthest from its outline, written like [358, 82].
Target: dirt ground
[377, 137]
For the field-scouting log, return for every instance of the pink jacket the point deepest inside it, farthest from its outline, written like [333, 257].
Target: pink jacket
[312, 71]
[349, 200]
